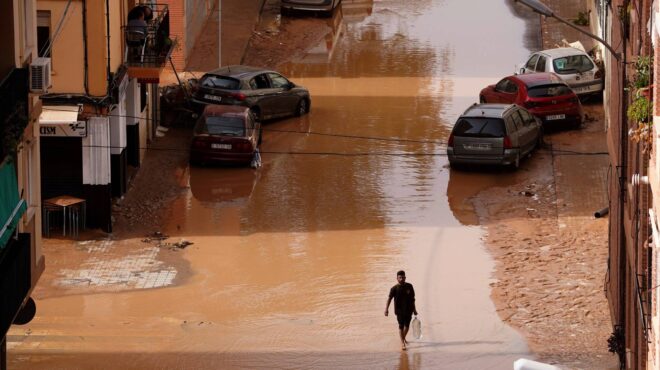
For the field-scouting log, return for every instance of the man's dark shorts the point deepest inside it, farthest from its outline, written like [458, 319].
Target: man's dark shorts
[404, 321]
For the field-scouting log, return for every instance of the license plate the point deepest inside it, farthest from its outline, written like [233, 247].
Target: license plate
[212, 97]
[555, 117]
[484, 146]
[220, 146]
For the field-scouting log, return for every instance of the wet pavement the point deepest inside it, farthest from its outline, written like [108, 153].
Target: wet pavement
[291, 263]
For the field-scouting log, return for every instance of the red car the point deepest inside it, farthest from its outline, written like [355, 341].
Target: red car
[225, 134]
[545, 95]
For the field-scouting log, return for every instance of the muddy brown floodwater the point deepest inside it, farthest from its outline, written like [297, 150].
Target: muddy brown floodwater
[291, 263]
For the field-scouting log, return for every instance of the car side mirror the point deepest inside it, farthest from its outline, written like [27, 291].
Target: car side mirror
[290, 86]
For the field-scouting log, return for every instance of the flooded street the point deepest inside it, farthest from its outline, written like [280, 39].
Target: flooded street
[292, 263]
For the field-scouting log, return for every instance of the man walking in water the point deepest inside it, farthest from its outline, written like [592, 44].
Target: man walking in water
[404, 305]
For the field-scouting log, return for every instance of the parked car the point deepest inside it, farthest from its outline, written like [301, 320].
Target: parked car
[545, 95]
[496, 134]
[267, 93]
[574, 66]
[325, 6]
[225, 134]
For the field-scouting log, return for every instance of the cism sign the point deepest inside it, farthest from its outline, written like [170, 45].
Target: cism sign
[73, 129]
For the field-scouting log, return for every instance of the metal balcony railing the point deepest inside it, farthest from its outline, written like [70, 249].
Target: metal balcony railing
[149, 45]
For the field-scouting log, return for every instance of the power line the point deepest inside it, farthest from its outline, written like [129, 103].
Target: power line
[267, 129]
[556, 152]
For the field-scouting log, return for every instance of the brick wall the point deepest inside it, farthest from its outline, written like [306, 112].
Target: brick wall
[177, 31]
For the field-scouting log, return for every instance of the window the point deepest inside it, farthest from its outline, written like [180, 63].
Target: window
[506, 86]
[220, 82]
[43, 33]
[502, 85]
[540, 66]
[278, 81]
[528, 118]
[260, 82]
[549, 91]
[518, 120]
[572, 64]
[531, 63]
[479, 127]
[511, 88]
[225, 125]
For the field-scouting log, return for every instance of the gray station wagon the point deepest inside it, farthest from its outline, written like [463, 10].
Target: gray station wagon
[497, 134]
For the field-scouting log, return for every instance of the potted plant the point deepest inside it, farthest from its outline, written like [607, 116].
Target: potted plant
[639, 112]
[642, 81]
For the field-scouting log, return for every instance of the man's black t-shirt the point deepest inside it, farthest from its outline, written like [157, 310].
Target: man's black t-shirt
[404, 299]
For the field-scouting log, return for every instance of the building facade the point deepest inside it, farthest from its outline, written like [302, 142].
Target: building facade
[102, 106]
[21, 259]
[187, 19]
[630, 274]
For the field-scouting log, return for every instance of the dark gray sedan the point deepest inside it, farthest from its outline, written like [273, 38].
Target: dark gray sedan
[267, 93]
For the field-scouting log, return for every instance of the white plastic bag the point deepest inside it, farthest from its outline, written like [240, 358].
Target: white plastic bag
[416, 328]
[256, 160]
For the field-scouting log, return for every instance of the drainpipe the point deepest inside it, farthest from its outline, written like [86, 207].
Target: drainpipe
[623, 168]
[107, 26]
[84, 25]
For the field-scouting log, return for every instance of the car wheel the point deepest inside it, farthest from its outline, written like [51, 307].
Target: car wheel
[302, 107]
[482, 99]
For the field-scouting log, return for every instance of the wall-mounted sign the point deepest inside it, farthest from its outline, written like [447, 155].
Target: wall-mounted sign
[73, 129]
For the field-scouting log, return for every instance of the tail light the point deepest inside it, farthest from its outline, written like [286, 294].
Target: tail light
[529, 104]
[507, 142]
[450, 142]
[598, 75]
[199, 143]
[242, 146]
[238, 96]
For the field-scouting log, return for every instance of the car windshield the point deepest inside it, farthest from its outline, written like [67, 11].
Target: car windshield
[225, 125]
[549, 91]
[480, 127]
[572, 64]
[220, 82]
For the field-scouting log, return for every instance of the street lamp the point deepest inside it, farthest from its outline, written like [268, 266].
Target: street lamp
[543, 9]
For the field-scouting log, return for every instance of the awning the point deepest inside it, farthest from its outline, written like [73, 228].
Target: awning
[61, 120]
[12, 206]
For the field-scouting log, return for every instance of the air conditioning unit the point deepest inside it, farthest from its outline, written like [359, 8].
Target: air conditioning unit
[40, 75]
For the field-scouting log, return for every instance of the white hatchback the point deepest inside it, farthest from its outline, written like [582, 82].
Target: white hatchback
[572, 65]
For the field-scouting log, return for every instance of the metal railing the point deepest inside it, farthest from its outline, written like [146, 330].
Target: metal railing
[149, 45]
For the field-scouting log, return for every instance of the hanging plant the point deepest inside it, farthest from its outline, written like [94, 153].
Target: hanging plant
[639, 112]
[642, 72]
[12, 131]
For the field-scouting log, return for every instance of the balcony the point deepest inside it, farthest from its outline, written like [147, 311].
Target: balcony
[148, 47]
[13, 110]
